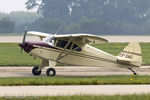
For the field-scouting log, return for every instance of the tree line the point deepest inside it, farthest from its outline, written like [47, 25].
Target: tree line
[15, 22]
[124, 17]
[93, 16]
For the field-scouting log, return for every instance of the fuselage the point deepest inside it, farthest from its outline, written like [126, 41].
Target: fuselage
[74, 49]
[87, 56]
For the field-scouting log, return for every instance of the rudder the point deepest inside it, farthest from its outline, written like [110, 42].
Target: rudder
[131, 54]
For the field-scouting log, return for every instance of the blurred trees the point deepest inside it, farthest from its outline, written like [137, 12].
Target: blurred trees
[95, 16]
[15, 22]
[6, 25]
[74, 10]
[85, 16]
[24, 17]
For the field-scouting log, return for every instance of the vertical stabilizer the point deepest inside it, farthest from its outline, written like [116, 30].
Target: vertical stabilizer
[131, 54]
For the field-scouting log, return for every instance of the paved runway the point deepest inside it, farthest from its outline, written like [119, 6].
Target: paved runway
[73, 90]
[72, 71]
[109, 38]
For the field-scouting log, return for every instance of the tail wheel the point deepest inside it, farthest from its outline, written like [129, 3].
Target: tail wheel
[51, 72]
[35, 71]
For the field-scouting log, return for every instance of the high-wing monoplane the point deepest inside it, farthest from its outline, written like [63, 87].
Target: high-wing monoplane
[75, 49]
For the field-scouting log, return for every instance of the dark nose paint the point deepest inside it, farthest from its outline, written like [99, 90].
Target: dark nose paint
[26, 46]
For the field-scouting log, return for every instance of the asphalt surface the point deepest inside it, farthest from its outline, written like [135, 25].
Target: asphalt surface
[72, 71]
[73, 90]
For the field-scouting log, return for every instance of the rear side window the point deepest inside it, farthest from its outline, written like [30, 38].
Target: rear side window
[76, 46]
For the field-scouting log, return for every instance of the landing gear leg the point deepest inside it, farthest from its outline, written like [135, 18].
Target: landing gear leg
[37, 69]
[51, 71]
[134, 73]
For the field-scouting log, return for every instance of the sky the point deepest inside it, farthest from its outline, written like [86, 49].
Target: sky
[8, 6]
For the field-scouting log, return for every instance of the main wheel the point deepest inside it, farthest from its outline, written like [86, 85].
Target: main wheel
[51, 72]
[35, 71]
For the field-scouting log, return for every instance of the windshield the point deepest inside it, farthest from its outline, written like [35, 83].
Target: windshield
[49, 39]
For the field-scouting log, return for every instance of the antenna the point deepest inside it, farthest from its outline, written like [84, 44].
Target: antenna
[59, 29]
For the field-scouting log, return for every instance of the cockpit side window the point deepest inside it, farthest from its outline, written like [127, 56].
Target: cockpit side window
[69, 46]
[49, 40]
[62, 44]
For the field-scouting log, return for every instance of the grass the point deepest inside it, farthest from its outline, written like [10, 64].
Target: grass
[84, 97]
[99, 80]
[10, 56]
[10, 53]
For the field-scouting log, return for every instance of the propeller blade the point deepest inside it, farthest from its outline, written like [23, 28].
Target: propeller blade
[24, 38]
[25, 33]
[21, 51]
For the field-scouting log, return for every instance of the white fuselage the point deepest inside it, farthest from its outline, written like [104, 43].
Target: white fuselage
[88, 56]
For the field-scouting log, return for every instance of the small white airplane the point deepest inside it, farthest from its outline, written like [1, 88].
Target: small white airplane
[74, 49]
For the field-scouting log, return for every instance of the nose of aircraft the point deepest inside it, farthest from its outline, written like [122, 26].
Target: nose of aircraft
[22, 45]
[27, 46]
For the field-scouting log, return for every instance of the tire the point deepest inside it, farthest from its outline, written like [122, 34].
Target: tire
[51, 72]
[35, 72]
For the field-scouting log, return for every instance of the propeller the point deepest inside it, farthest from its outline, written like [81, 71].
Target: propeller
[24, 38]
[25, 33]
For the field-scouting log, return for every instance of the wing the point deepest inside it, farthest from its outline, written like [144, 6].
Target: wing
[75, 38]
[40, 34]
[82, 38]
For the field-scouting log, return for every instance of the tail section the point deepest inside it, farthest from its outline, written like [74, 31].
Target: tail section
[131, 54]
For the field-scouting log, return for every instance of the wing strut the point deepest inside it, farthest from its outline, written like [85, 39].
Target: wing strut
[60, 55]
[71, 50]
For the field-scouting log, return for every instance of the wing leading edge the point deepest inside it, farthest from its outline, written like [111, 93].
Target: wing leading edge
[76, 38]
[82, 38]
[39, 34]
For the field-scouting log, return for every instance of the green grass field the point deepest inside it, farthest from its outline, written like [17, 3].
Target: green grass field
[10, 56]
[10, 53]
[83, 97]
[99, 80]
